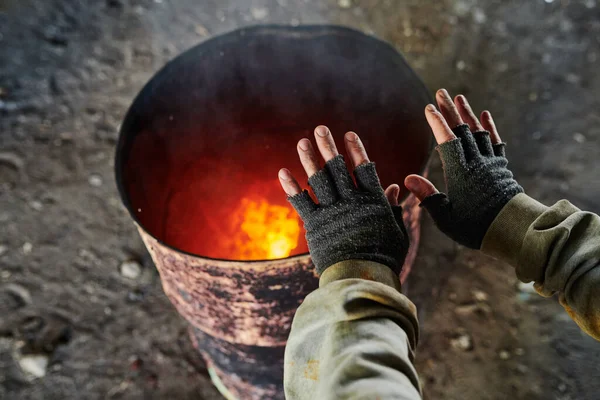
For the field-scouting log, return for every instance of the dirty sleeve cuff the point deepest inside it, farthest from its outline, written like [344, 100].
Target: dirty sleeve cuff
[504, 238]
[360, 269]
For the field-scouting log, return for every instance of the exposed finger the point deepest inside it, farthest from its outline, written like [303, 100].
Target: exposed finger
[448, 109]
[419, 186]
[466, 113]
[488, 124]
[289, 183]
[438, 125]
[325, 143]
[308, 158]
[391, 193]
[355, 149]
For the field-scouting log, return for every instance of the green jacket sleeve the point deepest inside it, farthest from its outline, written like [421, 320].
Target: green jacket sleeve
[556, 247]
[353, 338]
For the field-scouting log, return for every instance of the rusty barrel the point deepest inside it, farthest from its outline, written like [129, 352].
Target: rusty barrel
[197, 162]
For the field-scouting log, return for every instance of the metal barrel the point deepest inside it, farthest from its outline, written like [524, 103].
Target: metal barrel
[207, 135]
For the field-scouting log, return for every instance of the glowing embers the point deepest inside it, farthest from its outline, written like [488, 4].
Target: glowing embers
[261, 230]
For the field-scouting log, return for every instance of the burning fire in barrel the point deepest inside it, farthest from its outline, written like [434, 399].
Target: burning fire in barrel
[197, 163]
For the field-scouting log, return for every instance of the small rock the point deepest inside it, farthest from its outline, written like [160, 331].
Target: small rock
[527, 287]
[465, 309]
[3, 249]
[95, 180]
[590, 3]
[201, 31]
[452, 296]
[131, 269]
[259, 13]
[522, 369]
[504, 355]
[19, 294]
[562, 387]
[36, 205]
[9, 106]
[537, 135]
[55, 36]
[533, 96]
[461, 65]
[480, 295]
[12, 160]
[462, 342]
[295, 22]
[345, 3]
[479, 16]
[27, 248]
[573, 79]
[519, 351]
[65, 136]
[579, 137]
[34, 365]
[549, 1]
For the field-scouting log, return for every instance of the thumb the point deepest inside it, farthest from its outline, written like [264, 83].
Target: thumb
[419, 186]
[391, 193]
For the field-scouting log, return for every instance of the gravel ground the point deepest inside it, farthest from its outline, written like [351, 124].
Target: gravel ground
[70, 68]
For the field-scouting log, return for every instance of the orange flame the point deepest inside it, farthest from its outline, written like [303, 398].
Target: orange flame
[264, 231]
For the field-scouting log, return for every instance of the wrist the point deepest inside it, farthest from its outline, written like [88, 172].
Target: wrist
[360, 269]
[504, 238]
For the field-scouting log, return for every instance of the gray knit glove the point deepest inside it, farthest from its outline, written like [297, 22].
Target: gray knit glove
[351, 221]
[478, 184]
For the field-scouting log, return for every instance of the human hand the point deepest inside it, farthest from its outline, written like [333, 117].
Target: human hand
[478, 182]
[351, 221]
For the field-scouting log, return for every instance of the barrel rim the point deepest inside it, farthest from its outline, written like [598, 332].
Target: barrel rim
[317, 29]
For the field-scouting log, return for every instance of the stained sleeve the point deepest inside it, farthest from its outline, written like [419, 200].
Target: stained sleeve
[353, 338]
[557, 248]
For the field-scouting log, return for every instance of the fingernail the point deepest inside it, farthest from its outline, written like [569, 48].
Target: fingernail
[351, 137]
[430, 108]
[303, 144]
[322, 131]
[285, 174]
[445, 92]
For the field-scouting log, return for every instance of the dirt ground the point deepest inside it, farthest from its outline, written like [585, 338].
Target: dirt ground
[70, 68]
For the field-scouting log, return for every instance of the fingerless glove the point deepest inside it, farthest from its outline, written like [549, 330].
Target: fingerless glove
[352, 221]
[478, 184]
